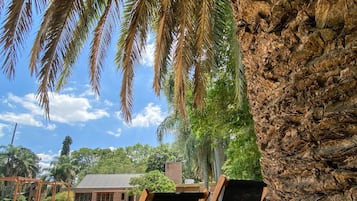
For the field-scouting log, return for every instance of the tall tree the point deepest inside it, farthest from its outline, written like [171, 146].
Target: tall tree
[66, 147]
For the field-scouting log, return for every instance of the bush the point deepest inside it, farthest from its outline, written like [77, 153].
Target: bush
[154, 181]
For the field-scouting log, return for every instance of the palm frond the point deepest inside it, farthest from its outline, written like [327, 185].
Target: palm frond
[86, 19]
[39, 42]
[226, 41]
[204, 54]
[183, 54]
[101, 40]
[163, 42]
[134, 31]
[57, 36]
[17, 23]
[40, 5]
[169, 124]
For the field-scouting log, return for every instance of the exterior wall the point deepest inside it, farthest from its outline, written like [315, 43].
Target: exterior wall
[117, 193]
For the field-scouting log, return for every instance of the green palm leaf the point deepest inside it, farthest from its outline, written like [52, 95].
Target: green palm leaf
[17, 24]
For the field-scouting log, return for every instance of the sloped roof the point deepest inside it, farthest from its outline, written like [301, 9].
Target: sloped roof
[106, 181]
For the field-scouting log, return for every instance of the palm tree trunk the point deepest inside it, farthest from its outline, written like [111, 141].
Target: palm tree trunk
[301, 71]
[218, 158]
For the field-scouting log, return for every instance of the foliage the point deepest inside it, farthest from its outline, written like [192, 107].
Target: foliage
[21, 198]
[159, 156]
[66, 146]
[63, 169]
[131, 159]
[115, 161]
[18, 161]
[62, 196]
[154, 181]
[243, 156]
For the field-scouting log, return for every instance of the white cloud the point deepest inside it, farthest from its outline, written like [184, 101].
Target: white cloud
[116, 133]
[88, 92]
[147, 58]
[108, 103]
[2, 127]
[46, 159]
[24, 119]
[64, 108]
[151, 115]
[69, 109]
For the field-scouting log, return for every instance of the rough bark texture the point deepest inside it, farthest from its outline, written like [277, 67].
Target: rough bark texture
[300, 58]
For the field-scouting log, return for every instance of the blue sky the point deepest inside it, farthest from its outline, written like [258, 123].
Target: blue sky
[93, 122]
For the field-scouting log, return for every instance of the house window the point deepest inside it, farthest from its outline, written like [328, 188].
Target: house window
[122, 196]
[101, 196]
[83, 197]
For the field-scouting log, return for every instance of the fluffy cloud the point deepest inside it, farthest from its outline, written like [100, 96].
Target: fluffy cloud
[147, 58]
[151, 115]
[69, 109]
[2, 127]
[25, 119]
[64, 108]
[46, 159]
[116, 133]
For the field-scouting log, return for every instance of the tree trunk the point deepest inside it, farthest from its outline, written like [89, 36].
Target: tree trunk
[218, 158]
[301, 69]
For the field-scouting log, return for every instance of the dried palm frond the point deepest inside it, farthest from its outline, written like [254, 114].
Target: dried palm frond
[183, 58]
[204, 52]
[53, 41]
[137, 14]
[86, 20]
[101, 40]
[164, 39]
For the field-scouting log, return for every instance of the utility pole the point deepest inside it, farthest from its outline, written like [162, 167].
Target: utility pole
[13, 134]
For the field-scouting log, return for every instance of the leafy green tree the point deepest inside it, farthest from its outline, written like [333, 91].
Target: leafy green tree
[139, 154]
[160, 155]
[154, 181]
[84, 159]
[115, 161]
[63, 170]
[18, 161]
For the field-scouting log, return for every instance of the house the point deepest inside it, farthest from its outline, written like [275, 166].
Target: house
[105, 187]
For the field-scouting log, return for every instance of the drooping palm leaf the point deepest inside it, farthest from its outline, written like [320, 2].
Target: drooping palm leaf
[101, 40]
[57, 36]
[164, 40]
[183, 54]
[166, 126]
[227, 50]
[86, 19]
[204, 52]
[17, 24]
[134, 31]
